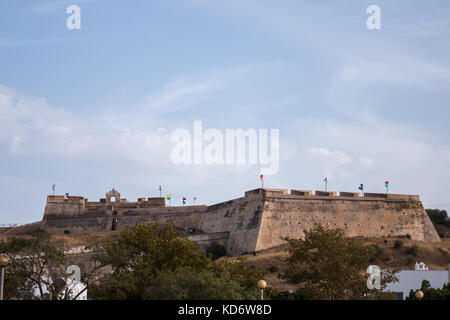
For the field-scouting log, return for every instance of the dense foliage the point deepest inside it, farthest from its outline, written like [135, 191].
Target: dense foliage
[38, 269]
[153, 262]
[438, 216]
[430, 293]
[326, 266]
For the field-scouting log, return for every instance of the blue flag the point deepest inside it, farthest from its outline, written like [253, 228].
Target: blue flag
[361, 187]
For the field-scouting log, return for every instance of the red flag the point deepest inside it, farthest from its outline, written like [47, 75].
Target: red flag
[261, 177]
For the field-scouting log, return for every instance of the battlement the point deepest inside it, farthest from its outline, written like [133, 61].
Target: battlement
[76, 205]
[319, 194]
[258, 220]
[58, 205]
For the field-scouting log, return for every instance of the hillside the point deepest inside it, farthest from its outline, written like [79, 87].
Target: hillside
[436, 255]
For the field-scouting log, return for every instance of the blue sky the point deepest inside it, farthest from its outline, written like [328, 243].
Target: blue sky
[93, 109]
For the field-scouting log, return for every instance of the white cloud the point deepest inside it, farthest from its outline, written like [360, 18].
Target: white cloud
[412, 159]
[44, 7]
[29, 125]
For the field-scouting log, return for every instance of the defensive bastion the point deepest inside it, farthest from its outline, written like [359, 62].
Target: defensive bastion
[251, 223]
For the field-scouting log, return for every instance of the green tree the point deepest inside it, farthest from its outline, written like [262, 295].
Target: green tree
[430, 293]
[153, 262]
[186, 284]
[37, 265]
[328, 266]
[240, 271]
[438, 216]
[413, 250]
[398, 244]
[140, 255]
[216, 250]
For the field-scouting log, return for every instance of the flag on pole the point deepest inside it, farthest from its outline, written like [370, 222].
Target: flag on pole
[261, 177]
[326, 183]
[386, 184]
[66, 197]
[53, 188]
[168, 197]
[184, 200]
[160, 191]
[361, 187]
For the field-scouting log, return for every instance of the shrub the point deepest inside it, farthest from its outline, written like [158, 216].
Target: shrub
[325, 262]
[398, 244]
[410, 260]
[185, 283]
[430, 293]
[273, 269]
[378, 251]
[413, 251]
[216, 250]
[437, 216]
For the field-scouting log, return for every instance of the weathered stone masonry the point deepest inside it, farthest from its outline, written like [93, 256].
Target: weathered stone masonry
[254, 222]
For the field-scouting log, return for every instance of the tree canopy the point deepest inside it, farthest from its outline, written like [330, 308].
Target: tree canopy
[38, 269]
[430, 293]
[153, 262]
[328, 266]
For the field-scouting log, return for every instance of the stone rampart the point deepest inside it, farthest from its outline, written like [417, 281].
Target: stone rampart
[257, 221]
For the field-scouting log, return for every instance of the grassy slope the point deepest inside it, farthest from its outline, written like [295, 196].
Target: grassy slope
[435, 254]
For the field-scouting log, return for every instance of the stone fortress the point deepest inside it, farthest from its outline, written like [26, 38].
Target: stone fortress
[254, 222]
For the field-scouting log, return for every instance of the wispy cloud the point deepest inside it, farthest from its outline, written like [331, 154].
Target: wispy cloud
[44, 7]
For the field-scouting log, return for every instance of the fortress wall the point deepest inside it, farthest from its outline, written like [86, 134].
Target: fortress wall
[58, 205]
[257, 220]
[76, 224]
[241, 217]
[288, 216]
[188, 216]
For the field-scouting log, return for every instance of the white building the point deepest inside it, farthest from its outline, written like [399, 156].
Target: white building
[74, 288]
[412, 280]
